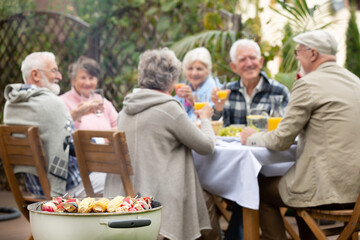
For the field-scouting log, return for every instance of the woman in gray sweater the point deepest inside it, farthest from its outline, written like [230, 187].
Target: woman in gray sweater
[160, 139]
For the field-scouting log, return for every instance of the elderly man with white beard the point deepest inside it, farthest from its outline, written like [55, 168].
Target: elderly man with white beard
[323, 112]
[36, 103]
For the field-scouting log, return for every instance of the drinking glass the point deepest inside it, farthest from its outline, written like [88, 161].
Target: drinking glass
[257, 119]
[276, 112]
[96, 94]
[222, 92]
[179, 85]
[199, 103]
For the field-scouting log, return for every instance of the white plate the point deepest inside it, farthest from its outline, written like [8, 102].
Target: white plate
[229, 139]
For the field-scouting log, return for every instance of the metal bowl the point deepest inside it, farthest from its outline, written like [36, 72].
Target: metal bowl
[76, 226]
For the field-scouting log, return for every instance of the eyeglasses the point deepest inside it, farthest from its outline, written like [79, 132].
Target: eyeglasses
[298, 50]
[54, 71]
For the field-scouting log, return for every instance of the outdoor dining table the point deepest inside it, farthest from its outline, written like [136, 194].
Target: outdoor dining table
[232, 172]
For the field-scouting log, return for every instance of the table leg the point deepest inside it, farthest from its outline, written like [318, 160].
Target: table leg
[251, 224]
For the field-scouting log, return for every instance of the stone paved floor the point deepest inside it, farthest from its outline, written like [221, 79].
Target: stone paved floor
[19, 229]
[15, 229]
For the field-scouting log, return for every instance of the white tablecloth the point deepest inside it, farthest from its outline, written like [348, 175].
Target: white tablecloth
[232, 170]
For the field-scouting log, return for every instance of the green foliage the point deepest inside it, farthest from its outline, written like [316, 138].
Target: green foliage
[218, 39]
[174, 15]
[252, 28]
[211, 39]
[8, 8]
[139, 25]
[301, 18]
[212, 21]
[214, 37]
[286, 79]
[352, 62]
[287, 50]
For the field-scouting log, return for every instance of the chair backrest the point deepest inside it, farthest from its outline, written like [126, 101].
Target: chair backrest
[112, 156]
[21, 145]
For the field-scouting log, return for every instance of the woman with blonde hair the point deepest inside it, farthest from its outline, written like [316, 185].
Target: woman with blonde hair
[196, 67]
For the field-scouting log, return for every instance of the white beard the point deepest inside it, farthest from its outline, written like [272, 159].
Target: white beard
[54, 87]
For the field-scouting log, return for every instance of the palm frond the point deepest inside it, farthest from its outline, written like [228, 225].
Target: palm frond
[209, 39]
[301, 18]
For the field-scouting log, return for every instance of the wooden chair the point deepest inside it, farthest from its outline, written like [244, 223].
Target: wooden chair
[21, 145]
[222, 207]
[350, 218]
[293, 234]
[109, 157]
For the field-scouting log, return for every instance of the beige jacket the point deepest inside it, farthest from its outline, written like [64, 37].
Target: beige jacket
[160, 137]
[324, 110]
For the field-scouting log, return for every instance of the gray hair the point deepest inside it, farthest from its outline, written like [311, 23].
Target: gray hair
[197, 54]
[91, 66]
[158, 69]
[35, 60]
[243, 43]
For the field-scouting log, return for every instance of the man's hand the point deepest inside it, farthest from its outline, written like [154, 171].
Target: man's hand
[219, 103]
[245, 133]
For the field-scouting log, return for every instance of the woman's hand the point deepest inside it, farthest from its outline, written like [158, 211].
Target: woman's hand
[186, 92]
[86, 108]
[205, 112]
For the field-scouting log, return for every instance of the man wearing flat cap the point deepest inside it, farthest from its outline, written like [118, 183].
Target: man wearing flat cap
[324, 112]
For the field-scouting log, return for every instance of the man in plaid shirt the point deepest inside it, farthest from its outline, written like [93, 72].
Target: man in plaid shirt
[253, 88]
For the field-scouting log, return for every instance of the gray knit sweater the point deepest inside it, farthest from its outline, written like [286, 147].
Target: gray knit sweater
[40, 107]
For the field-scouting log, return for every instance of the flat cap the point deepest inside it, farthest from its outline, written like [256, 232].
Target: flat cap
[321, 40]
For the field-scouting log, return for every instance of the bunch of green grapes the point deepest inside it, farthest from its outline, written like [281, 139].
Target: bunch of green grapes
[229, 131]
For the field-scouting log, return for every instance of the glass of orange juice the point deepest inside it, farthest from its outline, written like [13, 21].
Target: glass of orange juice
[178, 86]
[273, 122]
[199, 103]
[222, 93]
[276, 112]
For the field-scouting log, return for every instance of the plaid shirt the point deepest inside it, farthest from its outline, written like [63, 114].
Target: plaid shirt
[32, 182]
[235, 110]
